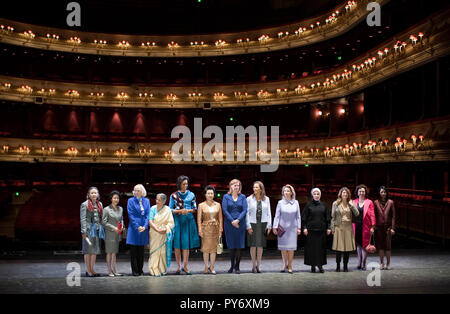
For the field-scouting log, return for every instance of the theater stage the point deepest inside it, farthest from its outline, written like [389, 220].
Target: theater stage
[413, 271]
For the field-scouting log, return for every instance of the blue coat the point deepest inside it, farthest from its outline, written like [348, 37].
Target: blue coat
[232, 210]
[138, 219]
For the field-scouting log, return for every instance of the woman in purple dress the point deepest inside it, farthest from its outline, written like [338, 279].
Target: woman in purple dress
[287, 217]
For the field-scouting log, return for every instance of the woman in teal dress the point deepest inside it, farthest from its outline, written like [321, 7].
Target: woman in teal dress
[183, 205]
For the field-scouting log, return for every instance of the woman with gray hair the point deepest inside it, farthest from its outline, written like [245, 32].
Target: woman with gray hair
[316, 221]
[161, 225]
[91, 229]
[138, 208]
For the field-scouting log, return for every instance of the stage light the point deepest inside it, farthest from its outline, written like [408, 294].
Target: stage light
[219, 195]
[231, 119]
[17, 194]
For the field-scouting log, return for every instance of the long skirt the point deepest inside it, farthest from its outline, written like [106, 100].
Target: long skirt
[157, 262]
[315, 248]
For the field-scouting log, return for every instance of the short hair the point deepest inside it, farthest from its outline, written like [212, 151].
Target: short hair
[233, 182]
[263, 190]
[291, 188]
[361, 186]
[180, 180]
[89, 192]
[209, 187]
[162, 196]
[383, 188]
[111, 195]
[141, 187]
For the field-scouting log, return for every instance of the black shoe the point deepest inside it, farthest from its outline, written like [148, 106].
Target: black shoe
[135, 274]
[338, 268]
[257, 270]
[89, 275]
[313, 269]
[230, 270]
[345, 268]
[321, 269]
[238, 271]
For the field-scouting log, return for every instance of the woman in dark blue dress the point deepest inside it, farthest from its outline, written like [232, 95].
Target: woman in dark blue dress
[234, 207]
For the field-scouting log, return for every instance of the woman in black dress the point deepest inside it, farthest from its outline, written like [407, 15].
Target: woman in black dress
[316, 226]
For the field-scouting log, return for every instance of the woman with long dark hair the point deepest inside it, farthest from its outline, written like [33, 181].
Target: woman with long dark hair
[259, 223]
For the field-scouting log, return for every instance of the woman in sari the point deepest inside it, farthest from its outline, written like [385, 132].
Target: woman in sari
[161, 225]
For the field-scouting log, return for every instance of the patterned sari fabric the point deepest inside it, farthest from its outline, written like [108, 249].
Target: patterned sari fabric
[160, 244]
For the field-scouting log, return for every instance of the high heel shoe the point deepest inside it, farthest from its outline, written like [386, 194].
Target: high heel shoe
[321, 269]
[257, 270]
[89, 275]
[254, 270]
[313, 269]
[212, 271]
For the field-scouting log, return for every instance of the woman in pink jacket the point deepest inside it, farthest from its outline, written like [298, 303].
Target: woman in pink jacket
[364, 226]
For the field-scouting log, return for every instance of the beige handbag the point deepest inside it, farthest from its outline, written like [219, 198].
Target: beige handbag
[220, 246]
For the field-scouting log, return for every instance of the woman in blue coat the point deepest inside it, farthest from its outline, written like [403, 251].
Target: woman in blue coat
[234, 207]
[138, 208]
[183, 205]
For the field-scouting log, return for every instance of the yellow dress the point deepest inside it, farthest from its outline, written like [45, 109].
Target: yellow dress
[157, 263]
[210, 222]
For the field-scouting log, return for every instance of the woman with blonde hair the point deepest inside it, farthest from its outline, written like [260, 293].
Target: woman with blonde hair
[343, 210]
[259, 223]
[287, 226]
[234, 207]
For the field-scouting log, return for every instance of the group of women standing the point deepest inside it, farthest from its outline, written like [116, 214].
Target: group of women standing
[243, 219]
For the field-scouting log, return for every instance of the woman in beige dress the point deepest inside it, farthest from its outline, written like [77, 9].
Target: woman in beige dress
[210, 227]
[161, 225]
[343, 210]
